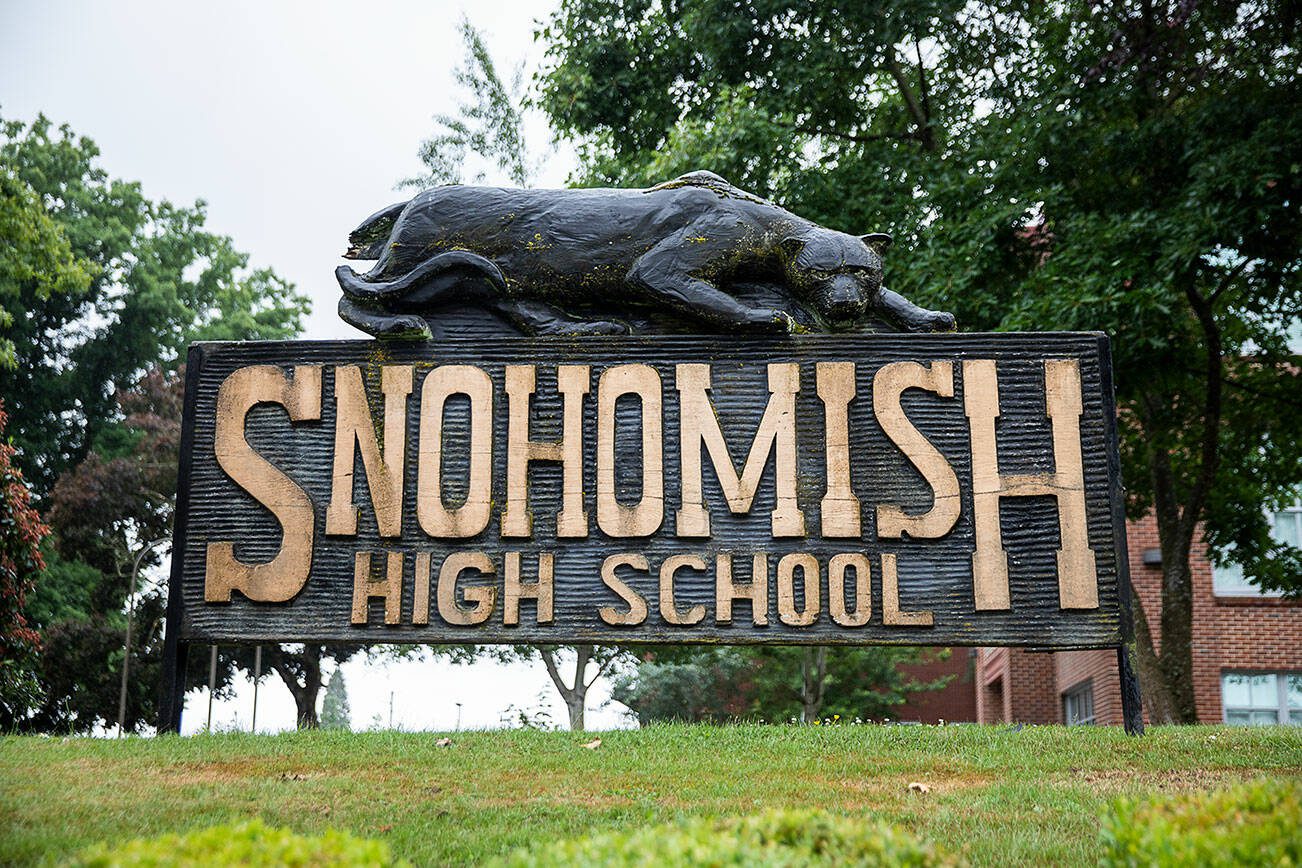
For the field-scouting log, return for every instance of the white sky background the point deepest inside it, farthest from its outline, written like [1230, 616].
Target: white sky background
[294, 122]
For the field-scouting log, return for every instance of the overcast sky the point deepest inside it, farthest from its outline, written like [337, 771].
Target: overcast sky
[293, 121]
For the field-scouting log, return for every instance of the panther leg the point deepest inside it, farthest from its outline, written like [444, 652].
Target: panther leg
[911, 318]
[664, 274]
[380, 324]
[540, 318]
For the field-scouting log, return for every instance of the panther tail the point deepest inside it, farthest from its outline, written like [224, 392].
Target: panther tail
[430, 282]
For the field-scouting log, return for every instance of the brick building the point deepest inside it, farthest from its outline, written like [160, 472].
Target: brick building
[1247, 652]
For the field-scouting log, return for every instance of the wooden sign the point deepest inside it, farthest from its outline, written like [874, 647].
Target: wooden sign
[869, 489]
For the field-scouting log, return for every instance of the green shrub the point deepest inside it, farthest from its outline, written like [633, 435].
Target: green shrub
[786, 839]
[245, 844]
[1254, 824]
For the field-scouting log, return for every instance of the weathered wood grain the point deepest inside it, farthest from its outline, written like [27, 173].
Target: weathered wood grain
[561, 504]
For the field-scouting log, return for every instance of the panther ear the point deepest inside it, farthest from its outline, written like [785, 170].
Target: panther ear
[879, 242]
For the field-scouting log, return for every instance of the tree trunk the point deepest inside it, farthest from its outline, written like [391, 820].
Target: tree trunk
[575, 696]
[813, 671]
[305, 691]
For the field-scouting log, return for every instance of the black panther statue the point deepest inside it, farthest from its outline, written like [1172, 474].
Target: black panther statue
[588, 261]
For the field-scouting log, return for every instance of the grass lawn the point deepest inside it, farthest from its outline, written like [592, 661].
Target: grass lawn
[998, 795]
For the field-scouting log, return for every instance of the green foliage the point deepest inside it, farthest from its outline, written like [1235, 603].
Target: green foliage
[488, 125]
[1254, 824]
[109, 285]
[777, 838]
[335, 713]
[35, 257]
[1134, 170]
[729, 684]
[251, 843]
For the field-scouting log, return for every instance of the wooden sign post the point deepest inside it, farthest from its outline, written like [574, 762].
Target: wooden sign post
[957, 489]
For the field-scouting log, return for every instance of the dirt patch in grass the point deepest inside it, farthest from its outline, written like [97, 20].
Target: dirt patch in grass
[1115, 781]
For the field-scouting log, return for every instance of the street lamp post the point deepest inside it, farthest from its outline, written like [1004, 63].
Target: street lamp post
[126, 648]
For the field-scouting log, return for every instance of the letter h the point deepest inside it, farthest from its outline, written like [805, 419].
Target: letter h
[1077, 575]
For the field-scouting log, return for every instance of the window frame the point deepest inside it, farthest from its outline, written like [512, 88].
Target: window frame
[1081, 692]
[1244, 586]
[1281, 707]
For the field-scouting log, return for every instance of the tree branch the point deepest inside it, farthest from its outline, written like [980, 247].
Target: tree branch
[1227, 280]
[915, 109]
[549, 660]
[1210, 454]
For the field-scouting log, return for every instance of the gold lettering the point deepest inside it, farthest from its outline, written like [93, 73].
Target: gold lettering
[469, 519]
[389, 588]
[572, 382]
[1077, 575]
[863, 592]
[888, 386]
[892, 616]
[637, 608]
[668, 609]
[644, 518]
[756, 590]
[284, 575]
[483, 596]
[699, 425]
[513, 590]
[809, 576]
[354, 430]
[839, 512]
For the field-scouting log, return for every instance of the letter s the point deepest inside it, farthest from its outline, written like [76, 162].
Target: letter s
[282, 577]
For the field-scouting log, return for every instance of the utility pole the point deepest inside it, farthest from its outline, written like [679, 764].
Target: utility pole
[126, 648]
[257, 676]
[390, 709]
[212, 683]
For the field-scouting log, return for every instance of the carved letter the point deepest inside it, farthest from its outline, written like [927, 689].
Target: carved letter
[756, 590]
[1078, 586]
[809, 576]
[282, 577]
[354, 430]
[668, 609]
[469, 519]
[390, 587]
[839, 511]
[776, 434]
[888, 385]
[644, 518]
[637, 608]
[513, 590]
[863, 592]
[482, 596]
[572, 382]
[891, 614]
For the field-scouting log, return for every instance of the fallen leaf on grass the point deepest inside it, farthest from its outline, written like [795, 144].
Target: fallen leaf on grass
[444, 742]
[383, 829]
[919, 787]
[592, 745]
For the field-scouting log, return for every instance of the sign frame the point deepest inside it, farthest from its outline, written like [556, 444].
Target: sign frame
[180, 634]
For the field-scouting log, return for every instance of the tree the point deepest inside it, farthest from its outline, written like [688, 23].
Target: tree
[21, 533]
[35, 257]
[101, 289]
[769, 683]
[139, 280]
[1042, 166]
[335, 713]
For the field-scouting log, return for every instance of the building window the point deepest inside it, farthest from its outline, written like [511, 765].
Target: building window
[1078, 704]
[1229, 580]
[1262, 698]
